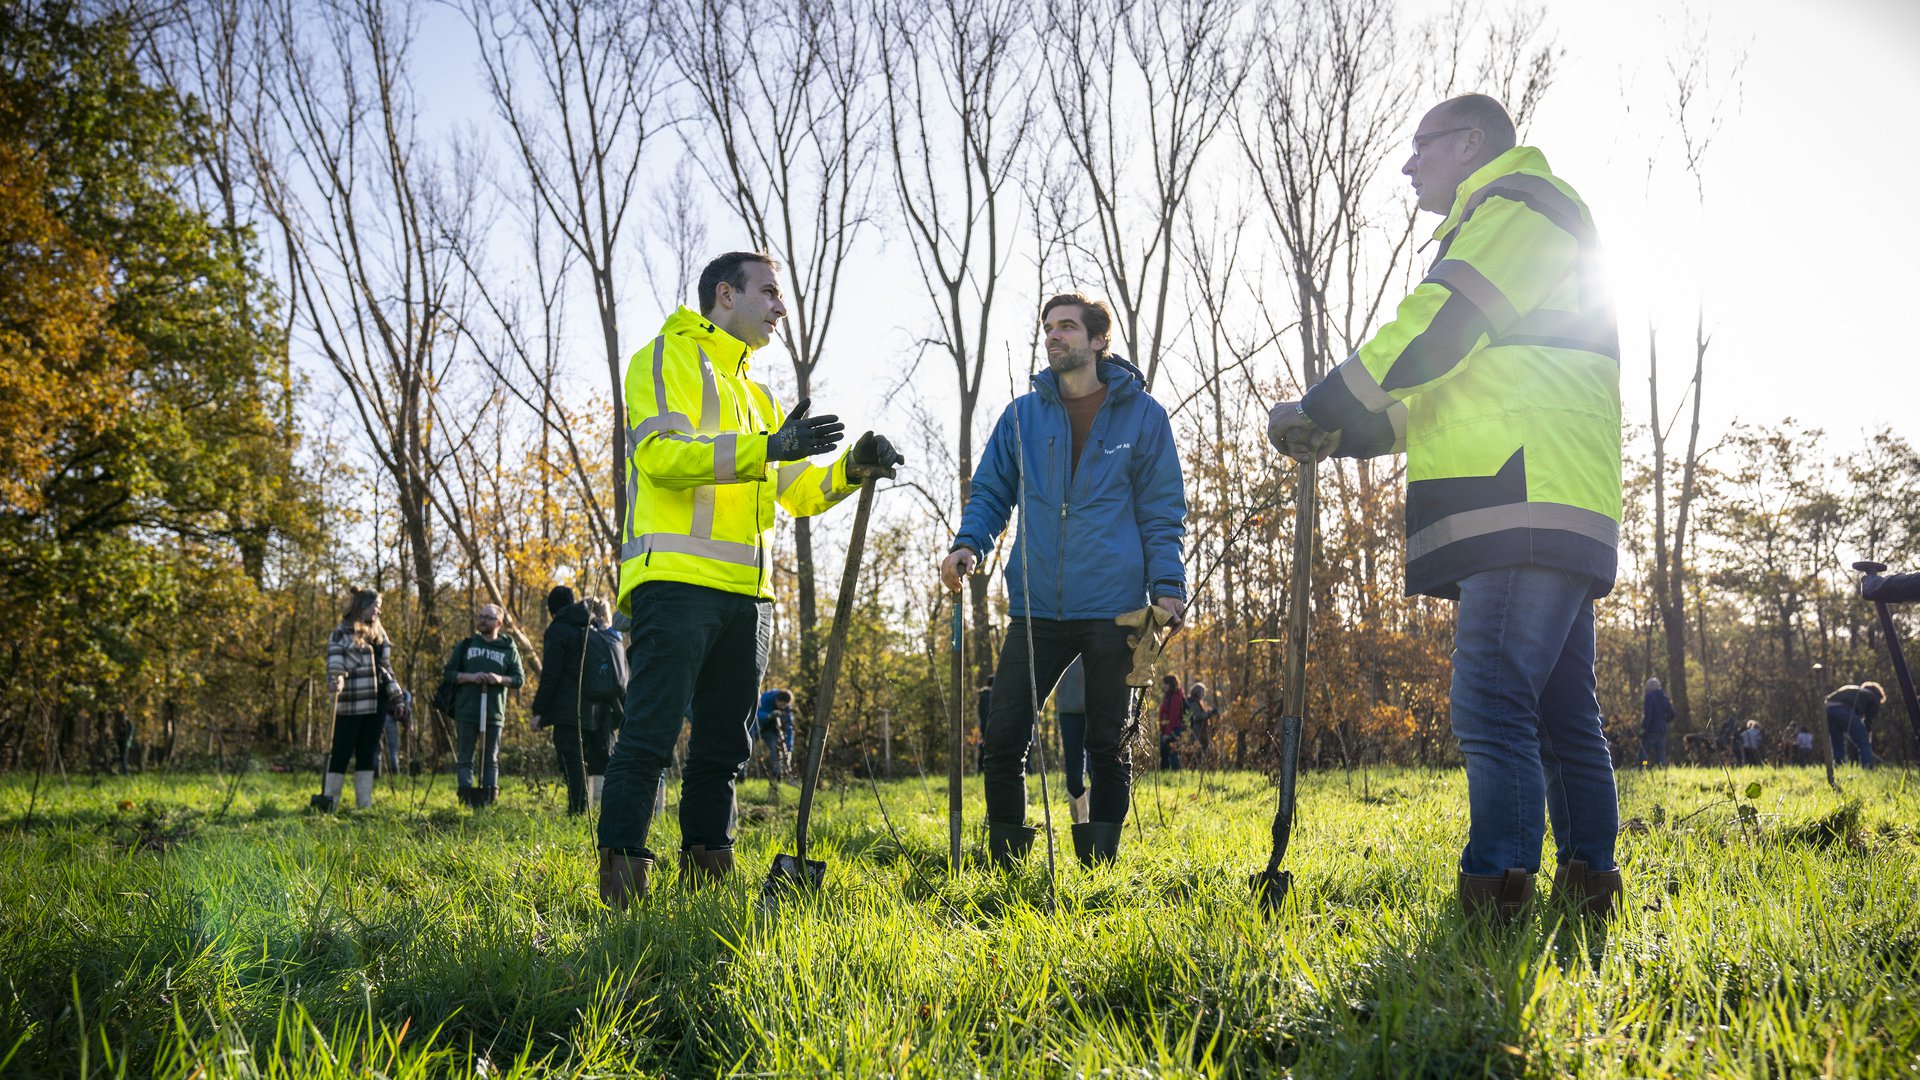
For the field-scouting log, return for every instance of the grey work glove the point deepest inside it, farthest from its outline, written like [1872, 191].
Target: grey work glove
[803, 436]
[873, 455]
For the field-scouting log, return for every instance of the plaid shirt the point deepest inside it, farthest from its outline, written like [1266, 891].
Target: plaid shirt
[365, 667]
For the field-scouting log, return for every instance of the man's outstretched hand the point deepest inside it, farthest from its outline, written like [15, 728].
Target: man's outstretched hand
[803, 436]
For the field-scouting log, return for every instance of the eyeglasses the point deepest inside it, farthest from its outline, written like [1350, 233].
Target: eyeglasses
[1432, 135]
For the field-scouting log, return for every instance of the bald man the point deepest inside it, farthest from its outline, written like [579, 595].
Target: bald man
[1498, 376]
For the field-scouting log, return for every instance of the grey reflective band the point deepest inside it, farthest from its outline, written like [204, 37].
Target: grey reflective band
[672, 421]
[1363, 386]
[726, 467]
[1397, 416]
[1466, 280]
[701, 527]
[725, 551]
[660, 375]
[787, 474]
[1468, 524]
[709, 396]
[1589, 332]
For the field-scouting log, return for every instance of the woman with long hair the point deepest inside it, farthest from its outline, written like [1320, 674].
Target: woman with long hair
[360, 677]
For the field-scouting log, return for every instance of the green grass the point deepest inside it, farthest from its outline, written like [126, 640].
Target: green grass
[417, 939]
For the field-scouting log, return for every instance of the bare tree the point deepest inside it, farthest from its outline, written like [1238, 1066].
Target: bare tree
[959, 109]
[580, 128]
[363, 215]
[1697, 114]
[1187, 61]
[784, 134]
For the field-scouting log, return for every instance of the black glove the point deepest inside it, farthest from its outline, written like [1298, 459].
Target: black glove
[874, 453]
[803, 436]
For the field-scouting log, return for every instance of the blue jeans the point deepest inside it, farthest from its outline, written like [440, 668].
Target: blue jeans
[1862, 742]
[466, 738]
[1653, 747]
[1840, 720]
[693, 651]
[1528, 721]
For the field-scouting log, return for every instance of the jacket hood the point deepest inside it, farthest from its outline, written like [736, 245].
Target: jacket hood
[1117, 374]
[719, 345]
[1518, 159]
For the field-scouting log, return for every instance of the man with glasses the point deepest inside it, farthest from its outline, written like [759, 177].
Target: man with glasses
[1499, 377]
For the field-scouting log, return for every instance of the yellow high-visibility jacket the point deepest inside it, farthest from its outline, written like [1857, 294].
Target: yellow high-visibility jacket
[700, 490]
[1499, 375]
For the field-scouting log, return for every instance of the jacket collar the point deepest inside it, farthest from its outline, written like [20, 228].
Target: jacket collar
[1518, 159]
[1117, 374]
[721, 347]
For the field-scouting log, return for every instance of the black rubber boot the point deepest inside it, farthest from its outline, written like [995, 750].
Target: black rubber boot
[465, 795]
[1008, 844]
[1096, 842]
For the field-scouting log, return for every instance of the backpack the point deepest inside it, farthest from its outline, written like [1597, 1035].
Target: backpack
[604, 681]
[447, 694]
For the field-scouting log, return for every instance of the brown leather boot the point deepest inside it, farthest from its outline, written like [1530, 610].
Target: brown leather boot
[1496, 896]
[700, 866]
[1592, 893]
[623, 878]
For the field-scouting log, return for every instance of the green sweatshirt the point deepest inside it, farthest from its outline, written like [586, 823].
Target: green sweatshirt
[476, 654]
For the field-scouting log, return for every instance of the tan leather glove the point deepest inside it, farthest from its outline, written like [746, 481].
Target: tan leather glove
[1145, 639]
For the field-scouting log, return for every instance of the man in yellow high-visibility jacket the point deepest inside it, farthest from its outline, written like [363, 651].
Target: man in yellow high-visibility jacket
[1499, 375]
[709, 454]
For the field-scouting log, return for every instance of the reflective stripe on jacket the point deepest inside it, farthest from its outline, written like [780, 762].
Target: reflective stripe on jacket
[700, 491]
[1499, 375]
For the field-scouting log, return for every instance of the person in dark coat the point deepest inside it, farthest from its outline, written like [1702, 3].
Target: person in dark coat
[1656, 712]
[560, 704]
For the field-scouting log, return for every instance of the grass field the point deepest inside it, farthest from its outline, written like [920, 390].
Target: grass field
[212, 928]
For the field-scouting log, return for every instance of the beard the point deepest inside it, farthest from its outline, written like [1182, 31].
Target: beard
[1069, 360]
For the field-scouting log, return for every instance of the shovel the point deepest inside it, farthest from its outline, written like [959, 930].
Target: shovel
[1271, 884]
[792, 872]
[956, 726]
[1884, 590]
[322, 802]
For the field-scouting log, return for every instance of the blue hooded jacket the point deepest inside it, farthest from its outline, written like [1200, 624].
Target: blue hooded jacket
[1109, 542]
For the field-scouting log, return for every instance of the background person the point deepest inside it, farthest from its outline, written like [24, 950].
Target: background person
[360, 676]
[1850, 713]
[484, 666]
[1656, 712]
[560, 702]
[1070, 713]
[1200, 714]
[773, 724]
[1173, 721]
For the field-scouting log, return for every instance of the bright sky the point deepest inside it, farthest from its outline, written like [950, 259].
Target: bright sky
[1804, 255]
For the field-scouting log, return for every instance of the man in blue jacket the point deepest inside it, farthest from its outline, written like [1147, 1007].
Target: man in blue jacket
[1103, 514]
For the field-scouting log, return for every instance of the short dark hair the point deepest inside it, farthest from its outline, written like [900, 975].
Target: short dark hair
[1097, 316]
[783, 695]
[730, 268]
[1485, 113]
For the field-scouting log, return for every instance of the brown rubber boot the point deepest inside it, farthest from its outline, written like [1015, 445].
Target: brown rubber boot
[1592, 893]
[1496, 896]
[701, 866]
[623, 878]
